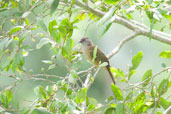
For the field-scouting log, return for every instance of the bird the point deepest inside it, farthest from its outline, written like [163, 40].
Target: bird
[88, 50]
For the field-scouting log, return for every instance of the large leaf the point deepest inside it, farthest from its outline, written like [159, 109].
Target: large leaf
[136, 60]
[165, 54]
[147, 77]
[15, 29]
[54, 6]
[117, 92]
[163, 87]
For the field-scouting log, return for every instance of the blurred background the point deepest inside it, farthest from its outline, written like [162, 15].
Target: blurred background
[100, 89]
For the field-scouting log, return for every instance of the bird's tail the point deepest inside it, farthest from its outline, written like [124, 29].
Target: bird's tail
[110, 73]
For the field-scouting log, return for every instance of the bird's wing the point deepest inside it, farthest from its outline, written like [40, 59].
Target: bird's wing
[100, 56]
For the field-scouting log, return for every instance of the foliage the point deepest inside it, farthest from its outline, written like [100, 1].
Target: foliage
[25, 27]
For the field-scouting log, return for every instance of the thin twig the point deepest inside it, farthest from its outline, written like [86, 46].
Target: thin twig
[167, 110]
[121, 43]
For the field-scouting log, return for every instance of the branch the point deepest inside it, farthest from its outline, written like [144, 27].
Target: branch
[121, 43]
[167, 110]
[135, 26]
[145, 31]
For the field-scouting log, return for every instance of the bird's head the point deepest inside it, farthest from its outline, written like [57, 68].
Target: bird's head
[86, 42]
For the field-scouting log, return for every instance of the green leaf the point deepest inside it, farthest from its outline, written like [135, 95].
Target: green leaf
[92, 103]
[47, 61]
[139, 105]
[40, 110]
[120, 108]
[3, 43]
[9, 95]
[109, 99]
[164, 103]
[150, 1]
[5, 98]
[74, 74]
[54, 6]
[109, 110]
[117, 92]
[117, 72]
[105, 30]
[81, 95]
[165, 54]
[136, 60]
[64, 53]
[56, 36]
[42, 42]
[132, 72]
[163, 87]
[15, 62]
[15, 29]
[129, 96]
[94, 54]
[107, 16]
[147, 77]
[111, 1]
[25, 14]
[69, 45]
[42, 92]
[81, 16]
[42, 25]
[51, 66]
[27, 21]
[51, 25]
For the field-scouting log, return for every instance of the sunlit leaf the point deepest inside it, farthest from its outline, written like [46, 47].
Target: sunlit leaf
[132, 72]
[147, 77]
[15, 29]
[81, 95]
[51, 25]
[165, 54]
[117, 92]
[136, 60]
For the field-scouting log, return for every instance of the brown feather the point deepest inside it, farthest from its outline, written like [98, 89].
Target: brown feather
[100, 58]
